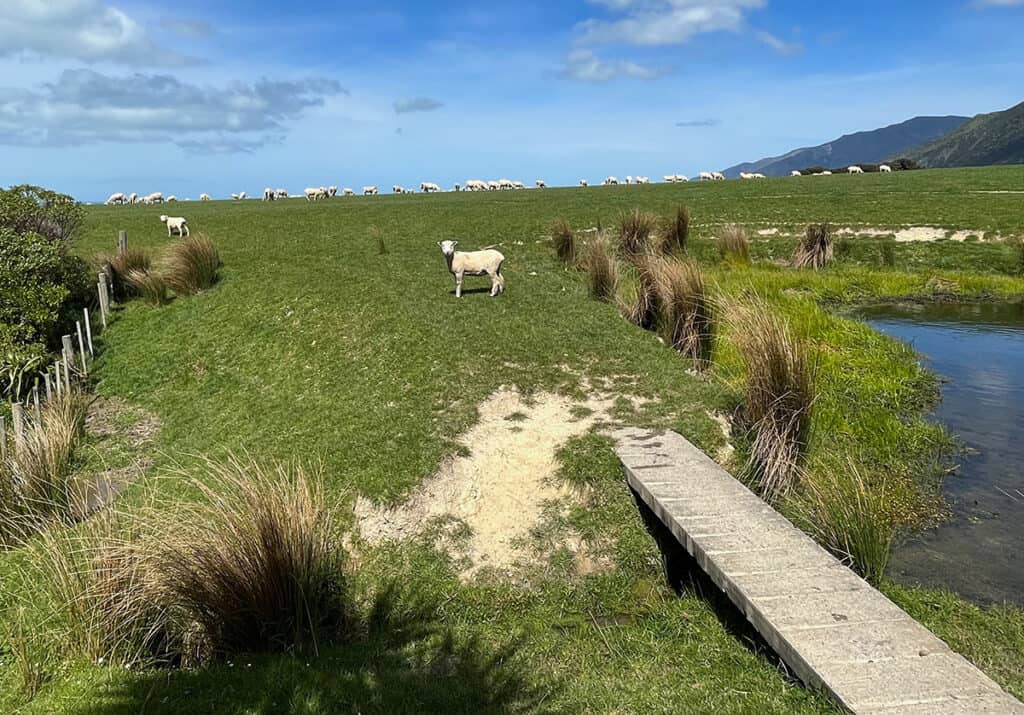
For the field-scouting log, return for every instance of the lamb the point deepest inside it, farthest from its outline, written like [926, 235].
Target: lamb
[268, 194]
[204, 197]
[175, 224]
[885, 169]
[855, 170]
[369, 191]
[759, 176]
[474, 263]
[540, 184]
[629, 180]
[456, 188]
[117, 198]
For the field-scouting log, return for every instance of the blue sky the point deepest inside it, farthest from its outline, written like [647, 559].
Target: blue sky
[98, 96]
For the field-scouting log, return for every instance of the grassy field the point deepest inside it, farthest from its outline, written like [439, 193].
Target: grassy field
[316, 347]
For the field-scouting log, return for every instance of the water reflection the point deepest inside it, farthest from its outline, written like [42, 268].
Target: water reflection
[979, 351]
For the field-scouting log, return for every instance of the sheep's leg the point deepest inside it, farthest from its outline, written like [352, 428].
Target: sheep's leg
[458, 285]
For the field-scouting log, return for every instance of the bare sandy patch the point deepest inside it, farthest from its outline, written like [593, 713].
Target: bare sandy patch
[911, 234]
[499, 491]
[726, 451]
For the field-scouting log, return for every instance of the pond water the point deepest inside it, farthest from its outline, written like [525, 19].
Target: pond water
[978, 350]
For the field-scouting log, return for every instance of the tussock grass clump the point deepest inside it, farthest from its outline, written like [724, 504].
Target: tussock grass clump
[638, 233]
[150, 285]
[644, 307]
[191, 265]
[1017, 261]
[36, 485]
[779, 396]
[602, 268]
[849, 517]
[815, 249]
[686, 319]
[378, 237]
[118, 266]
[887, 254]
[676, 231]
[734, 245]
[563, 238]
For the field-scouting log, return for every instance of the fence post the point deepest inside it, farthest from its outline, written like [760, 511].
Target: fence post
[49, 387]
[81, 347]
[104, 297]
[67, 377]
[88, 332]
[69, 350]
[18, 419]
[56, 374]
[122, 242]
[35, 399]
[3, 439]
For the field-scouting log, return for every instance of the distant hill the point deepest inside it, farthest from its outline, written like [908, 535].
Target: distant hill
[863, 147]
[996, 138]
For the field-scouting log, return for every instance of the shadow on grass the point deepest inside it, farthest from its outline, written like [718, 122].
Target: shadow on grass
[401, 665]
[685, 576]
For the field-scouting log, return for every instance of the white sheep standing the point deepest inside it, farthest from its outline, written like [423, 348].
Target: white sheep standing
[584, 183]
[611, 181]
[744, 175]
[428, 187]
[855, 170]
[332, 191]
[348, 192]
[518, 185]
[643, 180]
[795, 172]
[669, 178]
[369, 191]
[118, 198]
[456, 188]
[682, 179]
[540, 184]
[175, 224]
[707, 176]
[487, 262]
[155, 198]
[718, 176]
[172, 199]
[396, 189]
[205, 197]
[280, 194]
[885, 169]
[315, 194]
[133, 198]
[268, 194]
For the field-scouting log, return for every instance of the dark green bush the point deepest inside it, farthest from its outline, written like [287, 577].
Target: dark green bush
[31, 209]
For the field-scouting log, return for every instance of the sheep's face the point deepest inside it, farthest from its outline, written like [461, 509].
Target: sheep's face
[448, 247]
[163, 219]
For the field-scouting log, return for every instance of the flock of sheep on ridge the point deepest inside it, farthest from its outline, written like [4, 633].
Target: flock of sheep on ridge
[325, 192]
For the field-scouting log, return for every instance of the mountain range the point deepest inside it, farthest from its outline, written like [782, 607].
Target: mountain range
[996, 138]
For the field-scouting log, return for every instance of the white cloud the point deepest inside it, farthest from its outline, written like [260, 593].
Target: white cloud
[779, 45]
[85, 30]
[86, 107]
[585, 66]
[665, 22]
[417, 104]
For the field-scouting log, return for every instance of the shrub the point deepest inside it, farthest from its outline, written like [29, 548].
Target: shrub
[118, 267]
[150, 286]
[779, 396]
[563, 238]
[31, 209]
[602, 269]
[191, 265]
[815, 249]
[734, 245]
[848, 517]
[677, 231]
[638, 233]
[686, 318]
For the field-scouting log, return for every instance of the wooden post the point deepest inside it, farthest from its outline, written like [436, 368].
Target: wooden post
[67, 377]
[49, 387]
[69, 351]
[56, 374]
[81, 347]
[3, 439]
[35, 399]
[122, 242]
[18, 418]
[88, 332]
[104, 297]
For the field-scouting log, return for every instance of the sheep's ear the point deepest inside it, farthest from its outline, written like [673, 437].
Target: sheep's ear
[454, 244]
[439, 245]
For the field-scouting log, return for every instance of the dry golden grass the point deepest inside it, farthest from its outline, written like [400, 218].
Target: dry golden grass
[687, 316]
[676, 231]
[734, 245]
[638, 234]
[150, 286]
[815, 249]
[191, 265]
[563, 238]
[118, 266]
[602, 268]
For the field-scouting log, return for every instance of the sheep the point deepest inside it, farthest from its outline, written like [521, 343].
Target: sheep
[474, 263]
[172, 199]
[396, 189]
[175, 224]
[348, 192]
[475, 185]
[369, 191]
[629, 180]
[428, 187]
[117, 198]
[268, 194]
[204, 197]
[280, 194]
[682, 179]
[315, 194]
[718, 176]
[669, 178]
[642, 180]
[332, 191]
[518, 185]
[855, 170]
[506, 184]
[456, 188]
[493, 186]
[759, 176]
[540, 184]
[885, 169]
[706, 176]
[133, 198]
[610, 181]
[155, 198]
[824, 173]
[795, 172]
[240, 196]
[584, 183]
[744, 175]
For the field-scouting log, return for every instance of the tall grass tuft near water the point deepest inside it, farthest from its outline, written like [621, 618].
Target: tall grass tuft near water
[563, 238]
[644, 306]
[686, 316]
[815, 249]
[1017, 262]
[676, 231]
[734, 245]
[849, 517]
[602, 268]
[779, 395]
[150, 286]
[256, 566]
[638, 233]
[36, 485]
[119, 266]
[191, 265]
